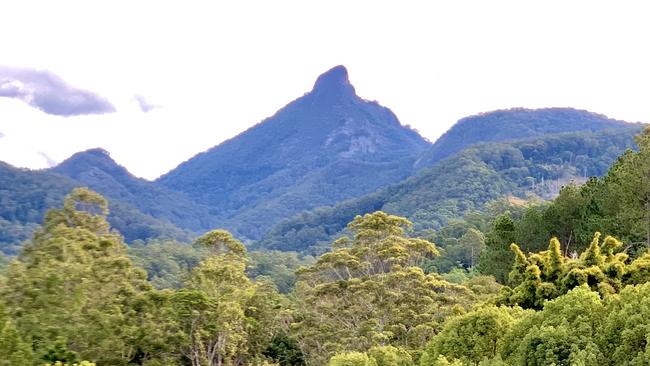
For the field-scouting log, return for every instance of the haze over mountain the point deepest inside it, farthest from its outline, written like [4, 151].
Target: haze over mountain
[326, 146]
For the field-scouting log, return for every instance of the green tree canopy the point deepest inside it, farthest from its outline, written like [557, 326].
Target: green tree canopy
[73, 291]
[369, 291]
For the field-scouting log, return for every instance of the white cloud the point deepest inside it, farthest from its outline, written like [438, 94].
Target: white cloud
[47, 92]
[224, 66]
[145, 105]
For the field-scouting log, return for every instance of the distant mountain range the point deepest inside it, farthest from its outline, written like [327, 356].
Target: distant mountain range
[514, 124]
[327, 148]
[138, 209]
[463, 183]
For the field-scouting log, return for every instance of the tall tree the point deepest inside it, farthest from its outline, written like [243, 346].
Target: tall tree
[226, 318]
[370, 291]
[73, 288]
[496, 259]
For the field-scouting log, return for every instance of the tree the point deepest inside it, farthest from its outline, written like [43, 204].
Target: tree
[472, 337]
[562, 333]
[225, 317]
[390, 356]
[14, 351]
[628, 187]
[280, 267]
[168, 263]
[352, 359]
[623, 336]
[73, 290]
[369, 291]
[496, 259]
[548, 274]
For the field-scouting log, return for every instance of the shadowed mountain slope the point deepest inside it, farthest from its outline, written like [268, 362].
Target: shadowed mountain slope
[464, 182]
[326, 146]
[26, 195]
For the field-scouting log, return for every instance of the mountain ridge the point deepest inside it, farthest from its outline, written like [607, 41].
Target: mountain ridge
[512, 124]
[326, 148]
[462, 183]
[329, 129]
[96, 169]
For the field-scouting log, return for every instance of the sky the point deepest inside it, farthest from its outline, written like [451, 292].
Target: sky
[156, 82]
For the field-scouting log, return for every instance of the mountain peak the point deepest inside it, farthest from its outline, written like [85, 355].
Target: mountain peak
[333, 83]
[96, 154]
[97, 151]
[84, 161]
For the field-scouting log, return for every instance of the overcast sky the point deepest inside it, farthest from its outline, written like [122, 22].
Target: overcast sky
[156, 82]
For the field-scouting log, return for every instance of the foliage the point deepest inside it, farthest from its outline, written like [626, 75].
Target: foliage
[563, 332]
[549, 274]
[623, 336]
[27, 195]
[390, 356]
[223, 315]
[284, 350]
[279, 267]
[460, 243]
[168, 263]
[74, 291]
[496, 259]
[472, 337]
[352, 359]
[369, 291]
[14, 350]
[577, 328]
[464, 183]
[376, 356]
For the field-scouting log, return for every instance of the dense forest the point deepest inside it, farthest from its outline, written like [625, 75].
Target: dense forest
[464, 183]
[509, 282]
[26, 196]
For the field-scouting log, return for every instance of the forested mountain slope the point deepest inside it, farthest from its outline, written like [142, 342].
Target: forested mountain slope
[465, 182]
[95, 169]
[138, 209]
[326, 146]
[322, 149]
[513, 124]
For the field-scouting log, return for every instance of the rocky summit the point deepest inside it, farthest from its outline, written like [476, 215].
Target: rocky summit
[326, 146]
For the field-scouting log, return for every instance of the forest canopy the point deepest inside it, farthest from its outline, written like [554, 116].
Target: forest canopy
[521, 283]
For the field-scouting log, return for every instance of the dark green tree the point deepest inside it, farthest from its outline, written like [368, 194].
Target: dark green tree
[496, 259]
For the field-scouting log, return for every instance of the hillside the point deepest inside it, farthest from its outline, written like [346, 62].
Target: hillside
[514, 124]
[26, 195]
[463, 183]
[95, 169]
[326, 146]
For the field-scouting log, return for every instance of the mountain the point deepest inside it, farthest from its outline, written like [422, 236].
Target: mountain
[513, 124]
[95, 169]
[138, 209]
[326, 146]
[465, 182]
